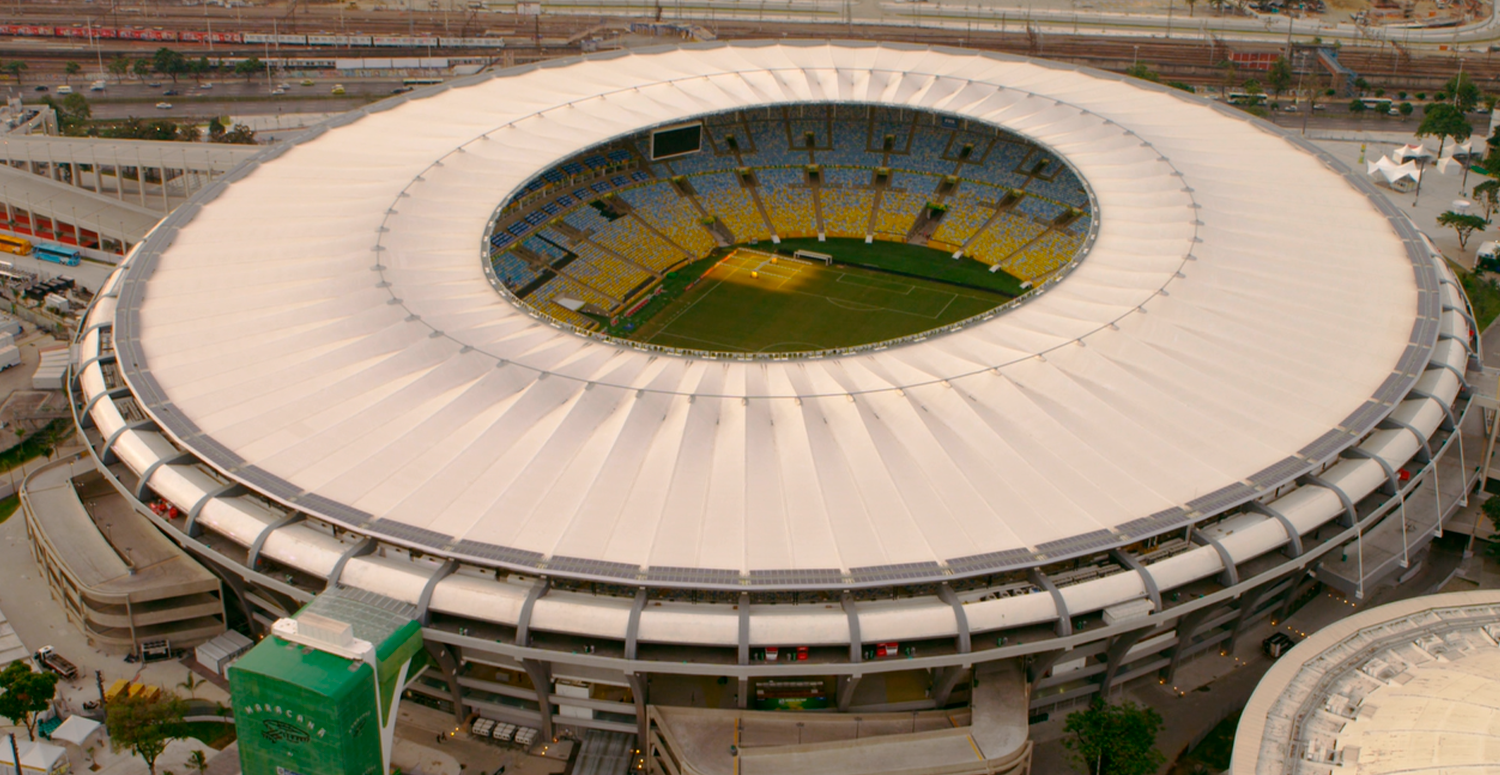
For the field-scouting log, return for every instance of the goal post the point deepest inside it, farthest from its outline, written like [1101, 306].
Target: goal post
[809, 255]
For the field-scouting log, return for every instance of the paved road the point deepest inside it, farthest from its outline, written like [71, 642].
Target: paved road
[139, 100]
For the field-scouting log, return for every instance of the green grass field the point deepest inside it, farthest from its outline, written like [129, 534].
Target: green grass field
[748, 304]
[901, 258]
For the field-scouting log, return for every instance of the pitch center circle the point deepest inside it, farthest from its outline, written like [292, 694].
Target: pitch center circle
[791, 230]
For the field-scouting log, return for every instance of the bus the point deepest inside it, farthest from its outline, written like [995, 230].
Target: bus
[58, 254]
[420, 81]
[1245, 98]
[18, 245]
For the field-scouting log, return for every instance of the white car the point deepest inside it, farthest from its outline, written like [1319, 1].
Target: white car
[163, 106]
[65, 89]
[205, 86]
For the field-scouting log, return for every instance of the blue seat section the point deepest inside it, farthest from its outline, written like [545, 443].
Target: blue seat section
[849, 149]
[999, 168]
[926, 155]
[1064, 188]
[586, 219]
[770, 147]
[898, 130]
[544, 248]
[800, 128]
[512, 271]
[843, 112]
[846, 177]
[703, 161]
[1039, 209]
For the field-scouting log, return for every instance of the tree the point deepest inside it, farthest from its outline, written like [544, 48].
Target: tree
[25, 694]
[1190, 4]
[198, 68]
[1491, 509]
[118, 67]
[1279, 77]
[191, 684]
[1487, 194]
[169, 63]
[1114, 739]
[1444, 121]
[141, 68]
[15, 68]
[249, 68]
[1465, 95]
[144, 726]
[198, 761]
[1357, 106]
[71, 69]
[73, 112]
[239, 135]
[1464, 224]
[1404, 109]
[1143, 71]
[1362, 85]
[1252, 88]
[1229, 77]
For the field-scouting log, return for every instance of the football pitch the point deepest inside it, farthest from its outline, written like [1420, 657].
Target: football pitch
[750, 302]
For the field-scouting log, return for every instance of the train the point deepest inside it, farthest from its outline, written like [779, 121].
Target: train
[191, 36]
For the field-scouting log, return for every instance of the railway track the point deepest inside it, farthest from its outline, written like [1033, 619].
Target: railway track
[1190, 60]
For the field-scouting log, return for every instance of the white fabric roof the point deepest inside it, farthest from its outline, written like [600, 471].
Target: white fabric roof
[76, 730]
[1242, 300]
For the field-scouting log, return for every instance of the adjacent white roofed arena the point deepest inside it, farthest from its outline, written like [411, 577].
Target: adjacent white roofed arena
[323, 331]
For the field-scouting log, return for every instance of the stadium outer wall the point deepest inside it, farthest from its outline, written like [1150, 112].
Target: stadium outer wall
[1068, 657]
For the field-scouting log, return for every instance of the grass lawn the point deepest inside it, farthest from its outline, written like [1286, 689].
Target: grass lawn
[747, 304]
[8, 506]
[901, 258]
[37, 444]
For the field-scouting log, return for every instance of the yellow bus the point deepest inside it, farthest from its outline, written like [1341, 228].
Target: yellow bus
[16, 245]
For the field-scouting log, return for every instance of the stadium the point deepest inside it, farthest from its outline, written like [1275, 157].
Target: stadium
[488, 352]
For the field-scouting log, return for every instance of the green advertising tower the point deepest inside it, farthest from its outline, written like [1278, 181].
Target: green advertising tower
[318, 696]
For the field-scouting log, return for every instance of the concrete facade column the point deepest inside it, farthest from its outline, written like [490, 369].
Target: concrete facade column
[443, 657]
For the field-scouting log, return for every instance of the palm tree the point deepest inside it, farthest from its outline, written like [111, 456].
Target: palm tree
[191, 684]
[198, 761]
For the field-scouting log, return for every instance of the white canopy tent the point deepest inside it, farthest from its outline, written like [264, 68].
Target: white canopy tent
[1393, 173]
